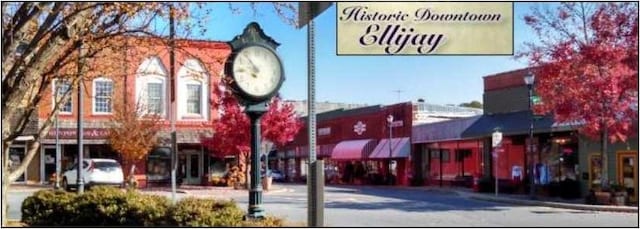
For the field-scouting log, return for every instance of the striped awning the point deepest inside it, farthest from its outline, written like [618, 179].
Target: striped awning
[400, 148]
[353, 149]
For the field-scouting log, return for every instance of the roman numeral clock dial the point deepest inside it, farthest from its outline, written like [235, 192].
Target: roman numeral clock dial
[257, 72]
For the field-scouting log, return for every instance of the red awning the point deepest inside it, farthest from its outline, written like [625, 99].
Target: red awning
[400, 148]
[353, 149]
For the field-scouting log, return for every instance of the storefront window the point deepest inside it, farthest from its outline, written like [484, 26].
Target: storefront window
[159, 164]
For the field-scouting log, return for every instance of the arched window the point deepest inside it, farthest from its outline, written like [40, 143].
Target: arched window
[102, 93]
[193, 90]
[151, 87]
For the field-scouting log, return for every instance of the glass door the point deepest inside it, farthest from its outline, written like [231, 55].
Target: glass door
[193, 169]
[628, 173]
[49, 163]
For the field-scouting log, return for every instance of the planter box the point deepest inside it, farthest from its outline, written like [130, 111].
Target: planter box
[603, 198]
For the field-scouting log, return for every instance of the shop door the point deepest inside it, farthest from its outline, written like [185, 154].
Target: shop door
[16, 156]
[628, 173]
[49, 163]
[194, 168]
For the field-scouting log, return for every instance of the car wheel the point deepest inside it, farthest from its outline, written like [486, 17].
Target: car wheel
[65, 185]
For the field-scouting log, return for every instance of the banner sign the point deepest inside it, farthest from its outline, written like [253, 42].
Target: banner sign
[424, 28]
[72, 133]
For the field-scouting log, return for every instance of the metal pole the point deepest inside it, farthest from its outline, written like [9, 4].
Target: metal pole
[532, 189]
[255, 193]
[174, 140]
[315, 200]
[390, 150]
[495, 167]
[80, 131]
[57, 184]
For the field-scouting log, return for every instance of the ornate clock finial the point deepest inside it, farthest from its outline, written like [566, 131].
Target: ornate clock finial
[253, 34]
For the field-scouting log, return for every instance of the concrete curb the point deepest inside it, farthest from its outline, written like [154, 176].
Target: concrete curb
[608, 208]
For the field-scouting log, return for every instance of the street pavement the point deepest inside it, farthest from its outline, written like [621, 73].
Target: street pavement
[347, 206]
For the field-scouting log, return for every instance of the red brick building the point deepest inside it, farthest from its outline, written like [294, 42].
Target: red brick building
[355, 145]
[142, 76]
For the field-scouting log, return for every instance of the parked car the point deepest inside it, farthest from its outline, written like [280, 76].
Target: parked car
[95, 172]
[276, 175]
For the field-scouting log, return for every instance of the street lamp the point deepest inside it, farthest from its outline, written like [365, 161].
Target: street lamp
[58, 159]
[529, 81]
[390, 121]
[496, 141]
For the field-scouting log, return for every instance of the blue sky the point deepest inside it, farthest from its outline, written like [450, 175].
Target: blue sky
[367, 79]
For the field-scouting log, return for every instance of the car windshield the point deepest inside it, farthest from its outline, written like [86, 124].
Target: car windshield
[106, 164]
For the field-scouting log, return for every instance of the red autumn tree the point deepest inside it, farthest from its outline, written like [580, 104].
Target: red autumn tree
[587, 59]
[232, 131]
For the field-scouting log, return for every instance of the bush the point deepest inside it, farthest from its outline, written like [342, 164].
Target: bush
[148, 210]
[48, 208]
[195, 212]
[101, 206]
[108, 206]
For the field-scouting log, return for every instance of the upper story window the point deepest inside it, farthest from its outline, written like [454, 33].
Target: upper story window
[194, 98]
[193, 81]
[102, 92]
[61, 87]
[154, 98]
[151, 87]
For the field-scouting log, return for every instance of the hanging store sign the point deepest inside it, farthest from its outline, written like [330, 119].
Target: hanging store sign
[424, 28]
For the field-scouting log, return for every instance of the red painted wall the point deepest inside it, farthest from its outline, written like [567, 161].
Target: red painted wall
[453, 168]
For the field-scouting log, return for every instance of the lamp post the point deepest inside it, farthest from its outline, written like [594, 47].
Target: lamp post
[390, 121]
[529, 80]
[496, 141]
[57, 184]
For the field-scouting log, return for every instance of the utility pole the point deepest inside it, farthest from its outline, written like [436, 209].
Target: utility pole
[174, 140]
[315, 180]
[312, 189]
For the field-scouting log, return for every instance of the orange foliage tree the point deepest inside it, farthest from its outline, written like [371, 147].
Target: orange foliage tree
[133, 135]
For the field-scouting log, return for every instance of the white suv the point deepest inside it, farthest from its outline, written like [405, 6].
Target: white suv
[95, 172]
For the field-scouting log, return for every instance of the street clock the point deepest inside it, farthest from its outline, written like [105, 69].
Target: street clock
[254, 70]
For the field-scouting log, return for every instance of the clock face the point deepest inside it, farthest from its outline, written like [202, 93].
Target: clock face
[257, 71]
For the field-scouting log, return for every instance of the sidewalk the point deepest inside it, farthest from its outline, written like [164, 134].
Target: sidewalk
[520, 199]
[29, 187]
[195, 190]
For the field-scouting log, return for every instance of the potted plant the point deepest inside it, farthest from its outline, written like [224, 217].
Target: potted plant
[618, 195]
[603, 196]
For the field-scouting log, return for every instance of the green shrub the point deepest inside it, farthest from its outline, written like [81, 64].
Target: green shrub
[195, 212]
[107, 206]
[101, 206]
[147, 210]
[48, 208]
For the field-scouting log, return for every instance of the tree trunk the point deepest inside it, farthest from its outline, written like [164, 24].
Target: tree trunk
[604, 178]
[131, 178]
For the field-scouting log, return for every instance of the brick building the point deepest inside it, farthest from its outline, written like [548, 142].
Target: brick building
[142, 76]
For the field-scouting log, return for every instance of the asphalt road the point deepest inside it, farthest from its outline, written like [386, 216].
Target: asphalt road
[398, 207]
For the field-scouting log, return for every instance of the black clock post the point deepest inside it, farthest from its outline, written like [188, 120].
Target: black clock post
[255, 112]
[255, 103]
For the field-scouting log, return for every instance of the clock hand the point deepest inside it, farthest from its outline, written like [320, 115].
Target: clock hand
[253, 66]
